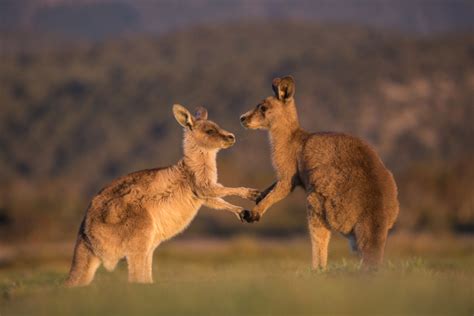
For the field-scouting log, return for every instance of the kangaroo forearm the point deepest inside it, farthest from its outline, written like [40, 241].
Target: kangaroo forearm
[224, 191]
[265, 193]
[267, 190]
[220, 204]
[280, 190]
[221, 191]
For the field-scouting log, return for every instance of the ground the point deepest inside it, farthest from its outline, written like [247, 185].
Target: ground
[422, 275]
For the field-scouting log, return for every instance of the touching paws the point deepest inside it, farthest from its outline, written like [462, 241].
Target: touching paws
[252, 194]
[249, 216]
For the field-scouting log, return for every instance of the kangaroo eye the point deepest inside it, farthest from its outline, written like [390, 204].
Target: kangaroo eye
[210, 131]
[263, 108]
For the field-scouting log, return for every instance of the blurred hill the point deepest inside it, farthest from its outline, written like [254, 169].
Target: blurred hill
[74, 115]
[104, 18]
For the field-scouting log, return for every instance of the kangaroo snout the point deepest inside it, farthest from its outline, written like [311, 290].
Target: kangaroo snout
[230, 138]
[243, 120]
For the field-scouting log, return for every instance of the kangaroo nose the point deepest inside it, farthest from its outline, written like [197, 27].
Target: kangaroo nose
[231, 138]
[242, 118]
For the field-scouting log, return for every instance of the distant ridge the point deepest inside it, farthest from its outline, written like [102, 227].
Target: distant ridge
[103, 18]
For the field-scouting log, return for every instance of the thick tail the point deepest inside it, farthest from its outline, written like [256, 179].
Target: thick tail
[84, 265]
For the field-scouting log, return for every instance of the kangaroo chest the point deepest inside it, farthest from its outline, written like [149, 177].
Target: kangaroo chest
[174, 212]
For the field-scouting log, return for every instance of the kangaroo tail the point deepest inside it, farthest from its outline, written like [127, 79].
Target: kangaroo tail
[84, 264]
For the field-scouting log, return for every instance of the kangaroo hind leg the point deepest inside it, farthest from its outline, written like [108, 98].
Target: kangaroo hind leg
[139, 268]
[319, 233]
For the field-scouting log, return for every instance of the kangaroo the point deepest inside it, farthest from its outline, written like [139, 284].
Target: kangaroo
[348, 188]
[135, 213]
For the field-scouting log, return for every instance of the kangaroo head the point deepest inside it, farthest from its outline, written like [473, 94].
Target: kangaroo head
[277, 110]
[201, 131]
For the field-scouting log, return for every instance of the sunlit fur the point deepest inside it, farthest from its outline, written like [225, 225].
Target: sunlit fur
[348, 188]
[131, 216]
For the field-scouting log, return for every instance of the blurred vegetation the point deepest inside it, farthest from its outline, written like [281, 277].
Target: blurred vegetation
[422, 275]
[75, 115]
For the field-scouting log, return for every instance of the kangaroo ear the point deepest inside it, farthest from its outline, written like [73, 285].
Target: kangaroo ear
[183, 116]
[284, 88]
[201, 113]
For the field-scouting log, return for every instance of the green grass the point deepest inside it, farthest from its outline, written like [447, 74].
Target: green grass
[247, 277]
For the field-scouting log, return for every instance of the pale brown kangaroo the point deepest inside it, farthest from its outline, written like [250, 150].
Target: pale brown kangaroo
[348, 188]
[131, 216]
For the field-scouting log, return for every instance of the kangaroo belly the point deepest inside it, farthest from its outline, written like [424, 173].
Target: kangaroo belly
[173, 217]
[339, 196]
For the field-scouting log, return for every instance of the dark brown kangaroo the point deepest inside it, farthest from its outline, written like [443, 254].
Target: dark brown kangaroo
[348, 188]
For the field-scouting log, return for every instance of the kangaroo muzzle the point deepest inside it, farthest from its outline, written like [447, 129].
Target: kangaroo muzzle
[229, 140]
[244, 120]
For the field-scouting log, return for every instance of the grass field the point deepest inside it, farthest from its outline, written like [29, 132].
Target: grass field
[422, 275]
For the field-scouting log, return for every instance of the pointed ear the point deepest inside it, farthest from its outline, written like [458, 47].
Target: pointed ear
[183, 116]
[284, 88]
[201, 113]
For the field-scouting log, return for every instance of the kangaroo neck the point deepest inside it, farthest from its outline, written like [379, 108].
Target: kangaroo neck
[285, 131]
[286, 126]
[286, 143]
[201, 163]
